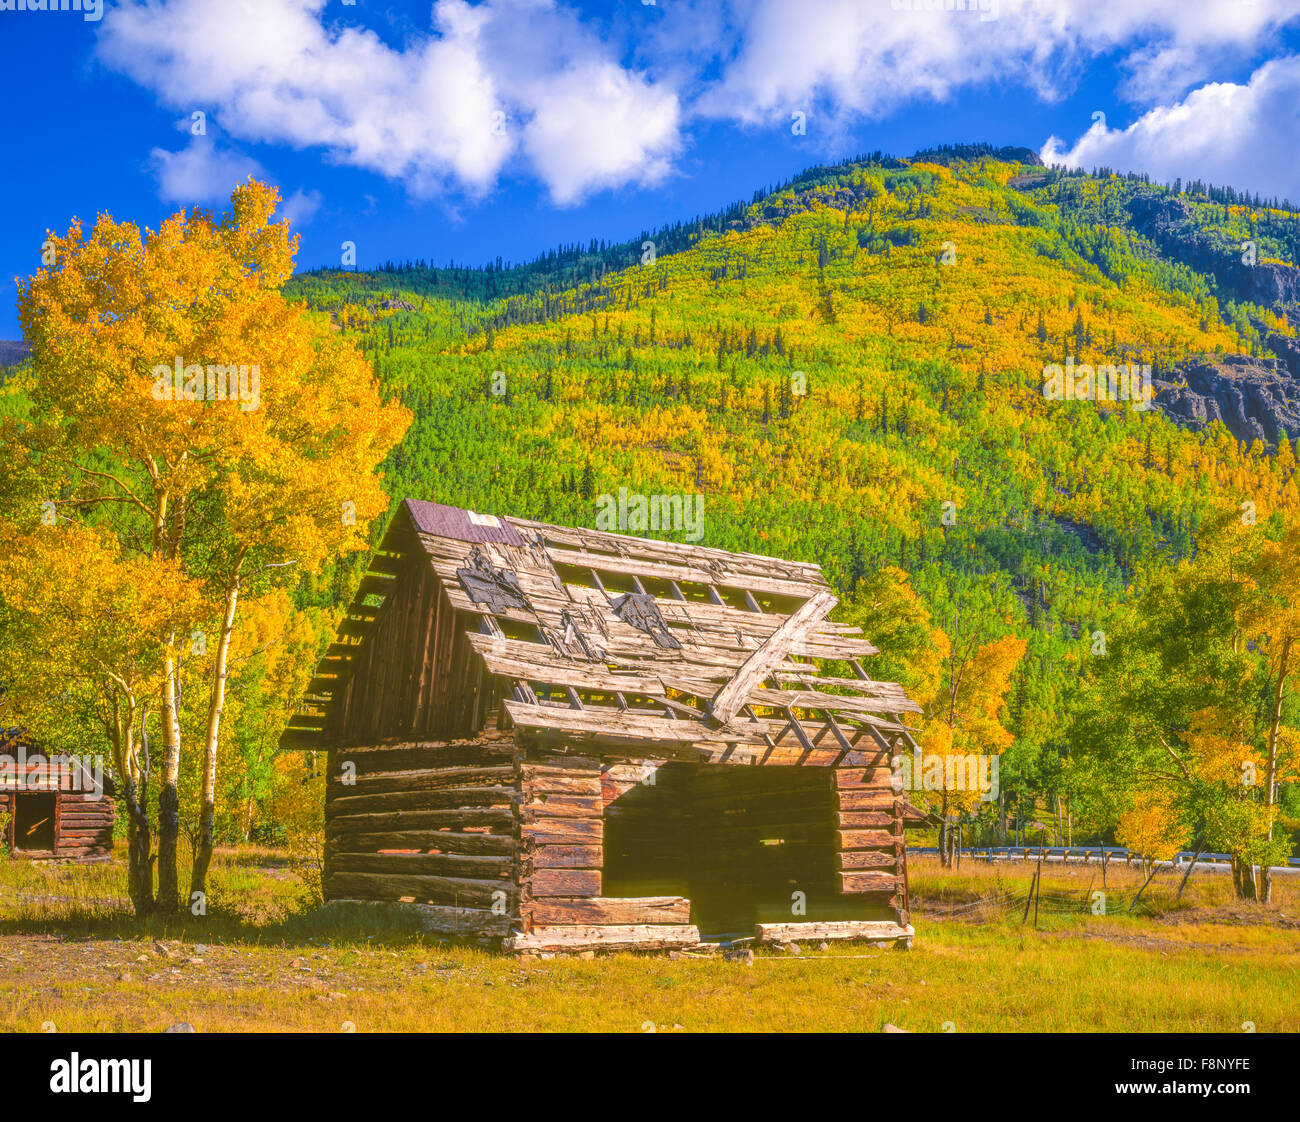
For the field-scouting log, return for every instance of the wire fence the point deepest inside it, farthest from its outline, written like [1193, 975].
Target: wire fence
[1027, 903]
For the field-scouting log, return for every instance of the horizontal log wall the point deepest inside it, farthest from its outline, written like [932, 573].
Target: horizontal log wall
[562, 834]
[83, 827]
[870, 841]
[501, 842]
[427, 822]
[562, 830]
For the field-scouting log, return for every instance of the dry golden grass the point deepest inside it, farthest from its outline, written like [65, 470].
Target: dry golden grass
[258, 962]
[930, 884]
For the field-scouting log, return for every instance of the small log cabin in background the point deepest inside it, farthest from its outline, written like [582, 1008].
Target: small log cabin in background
[567, 739]
[46, 811]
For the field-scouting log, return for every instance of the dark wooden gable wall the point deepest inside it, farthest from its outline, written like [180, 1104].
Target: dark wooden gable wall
[415, 674]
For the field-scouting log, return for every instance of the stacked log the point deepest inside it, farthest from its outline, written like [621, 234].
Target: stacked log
[877, 931]
[870, 840]
[430, 823]
[83, 827]
[562, 830]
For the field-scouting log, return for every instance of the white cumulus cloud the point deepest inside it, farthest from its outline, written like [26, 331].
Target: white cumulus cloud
[589, 101]
[1222, 133]
[451, 109]
[300, 207]
[201, 172]
[868, 57]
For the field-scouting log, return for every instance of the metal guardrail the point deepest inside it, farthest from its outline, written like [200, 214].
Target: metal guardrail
[1086, 853]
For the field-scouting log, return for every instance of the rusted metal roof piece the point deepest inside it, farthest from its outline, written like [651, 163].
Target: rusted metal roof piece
[461, 525]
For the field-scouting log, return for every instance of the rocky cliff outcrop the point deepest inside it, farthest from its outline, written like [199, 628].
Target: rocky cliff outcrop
[1256, 398]
[1170, 224]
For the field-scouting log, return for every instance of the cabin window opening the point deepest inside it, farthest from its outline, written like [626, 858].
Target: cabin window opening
[34, 821]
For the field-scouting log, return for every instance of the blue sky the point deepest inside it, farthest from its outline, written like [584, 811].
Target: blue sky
[468, 131]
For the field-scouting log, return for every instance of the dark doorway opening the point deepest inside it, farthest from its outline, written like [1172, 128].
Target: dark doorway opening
[34, 821]
[738, 841]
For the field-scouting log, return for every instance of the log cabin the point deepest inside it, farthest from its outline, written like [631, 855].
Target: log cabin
[559, 739]
[52, 807]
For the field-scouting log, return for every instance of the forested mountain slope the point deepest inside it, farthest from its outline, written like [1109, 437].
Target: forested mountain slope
[850, 370]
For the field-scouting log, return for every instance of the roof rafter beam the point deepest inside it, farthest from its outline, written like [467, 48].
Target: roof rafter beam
[727, 701]
[800, 735]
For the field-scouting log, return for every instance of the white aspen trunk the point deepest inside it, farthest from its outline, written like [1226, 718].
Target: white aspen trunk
[216, 702]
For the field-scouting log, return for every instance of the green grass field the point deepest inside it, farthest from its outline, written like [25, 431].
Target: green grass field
[72, 958]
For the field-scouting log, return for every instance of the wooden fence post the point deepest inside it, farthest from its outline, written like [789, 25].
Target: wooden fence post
[1030, 898]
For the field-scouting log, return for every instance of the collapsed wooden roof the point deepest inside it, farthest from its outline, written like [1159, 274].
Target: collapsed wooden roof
[606, 642]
